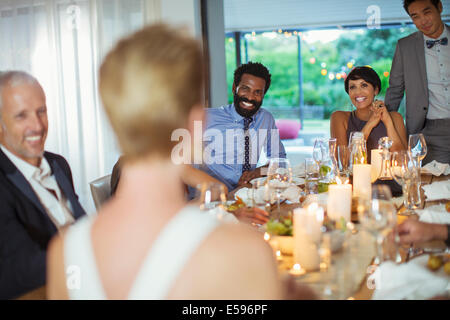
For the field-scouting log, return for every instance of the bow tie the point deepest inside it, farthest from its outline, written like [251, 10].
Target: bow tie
[431, 43]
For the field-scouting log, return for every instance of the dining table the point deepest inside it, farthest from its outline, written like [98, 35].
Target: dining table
[349, 273]
[348, 276]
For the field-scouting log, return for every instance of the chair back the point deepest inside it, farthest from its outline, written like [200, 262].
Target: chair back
[101, 190]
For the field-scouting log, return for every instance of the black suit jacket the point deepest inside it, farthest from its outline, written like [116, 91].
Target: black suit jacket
[25, 228]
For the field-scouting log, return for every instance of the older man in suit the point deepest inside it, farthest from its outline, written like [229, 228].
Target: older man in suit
[37, 197]
[421, 68]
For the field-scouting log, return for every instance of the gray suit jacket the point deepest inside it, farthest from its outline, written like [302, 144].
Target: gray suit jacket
[408, 74]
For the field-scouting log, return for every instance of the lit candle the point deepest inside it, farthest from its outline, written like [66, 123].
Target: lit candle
[278, 255]
[339, 201]
[307, 230]
[297, 270]
[362, 186]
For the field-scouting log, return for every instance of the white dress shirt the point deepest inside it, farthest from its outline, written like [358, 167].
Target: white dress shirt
[437, 60]
[41, 180]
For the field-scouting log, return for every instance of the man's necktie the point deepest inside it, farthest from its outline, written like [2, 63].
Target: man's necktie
[51, 186]
[431, 43]
[246, 166]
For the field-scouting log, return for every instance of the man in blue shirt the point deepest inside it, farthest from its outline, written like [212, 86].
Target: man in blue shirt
[236, 135]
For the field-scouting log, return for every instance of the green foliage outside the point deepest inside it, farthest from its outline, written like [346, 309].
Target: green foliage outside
[279, 53]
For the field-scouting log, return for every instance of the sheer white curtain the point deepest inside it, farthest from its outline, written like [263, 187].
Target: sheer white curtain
[62, 44]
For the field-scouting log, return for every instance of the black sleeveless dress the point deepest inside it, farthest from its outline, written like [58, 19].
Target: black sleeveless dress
[356, 124]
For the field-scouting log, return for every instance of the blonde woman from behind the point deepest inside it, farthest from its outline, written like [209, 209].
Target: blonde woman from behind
[147, 243]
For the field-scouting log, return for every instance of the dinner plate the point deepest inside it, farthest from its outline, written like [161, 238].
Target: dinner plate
[254, 181]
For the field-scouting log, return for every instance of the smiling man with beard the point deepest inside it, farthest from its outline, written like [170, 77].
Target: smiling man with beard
[37, 197]
[236, 134]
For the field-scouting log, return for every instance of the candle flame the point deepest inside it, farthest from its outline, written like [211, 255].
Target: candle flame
[297, 267]
[266, 236]
[313, 207]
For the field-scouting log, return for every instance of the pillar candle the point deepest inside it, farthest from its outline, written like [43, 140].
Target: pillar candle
[339, 201]
[362, 186]
[307, 232]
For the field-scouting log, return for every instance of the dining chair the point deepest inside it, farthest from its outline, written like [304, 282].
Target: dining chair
[101, 190]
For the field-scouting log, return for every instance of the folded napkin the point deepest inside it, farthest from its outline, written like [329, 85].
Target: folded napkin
[437, 190]
[436, 168]
[411, 281]
[434, 214]
[292, 193]
[245, 194]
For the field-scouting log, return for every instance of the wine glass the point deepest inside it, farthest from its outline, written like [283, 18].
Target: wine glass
[378, 216]
[319, 150]
[279, 177]
[211, 195]
[343, 154]
[385, 143]
[417, 146]
[405, 170]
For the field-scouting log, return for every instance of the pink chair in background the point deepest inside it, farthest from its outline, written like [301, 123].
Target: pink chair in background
[288, 128]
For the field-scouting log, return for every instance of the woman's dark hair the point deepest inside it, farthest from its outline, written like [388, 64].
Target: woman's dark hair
[406, 4]
[255, 69]
[365, 73]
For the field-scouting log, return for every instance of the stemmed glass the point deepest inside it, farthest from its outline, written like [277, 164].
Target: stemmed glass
[343, 157]
[279, 177]
[405, 170]
[319, 150]
[417, 146]
[386, 144]
[378, 216]
[211, 195]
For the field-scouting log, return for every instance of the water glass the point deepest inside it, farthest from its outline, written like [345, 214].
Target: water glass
[378, 216]
[405, 170]
[311, 176]
[261, 195]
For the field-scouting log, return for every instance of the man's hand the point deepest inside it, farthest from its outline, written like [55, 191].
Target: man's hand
[412, 231]
[248, 176]
[252, 215]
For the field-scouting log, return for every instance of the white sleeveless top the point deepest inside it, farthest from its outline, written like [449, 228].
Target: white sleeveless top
[173, 248]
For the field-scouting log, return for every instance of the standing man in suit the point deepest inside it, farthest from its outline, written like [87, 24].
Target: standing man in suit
[421, 68]
[37, 197]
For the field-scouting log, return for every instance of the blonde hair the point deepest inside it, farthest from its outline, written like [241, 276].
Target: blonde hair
[148, 84]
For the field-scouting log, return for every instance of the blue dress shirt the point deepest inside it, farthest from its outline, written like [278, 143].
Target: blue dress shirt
[223, 142]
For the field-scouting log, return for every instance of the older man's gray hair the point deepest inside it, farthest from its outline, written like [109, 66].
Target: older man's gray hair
[13, 79]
